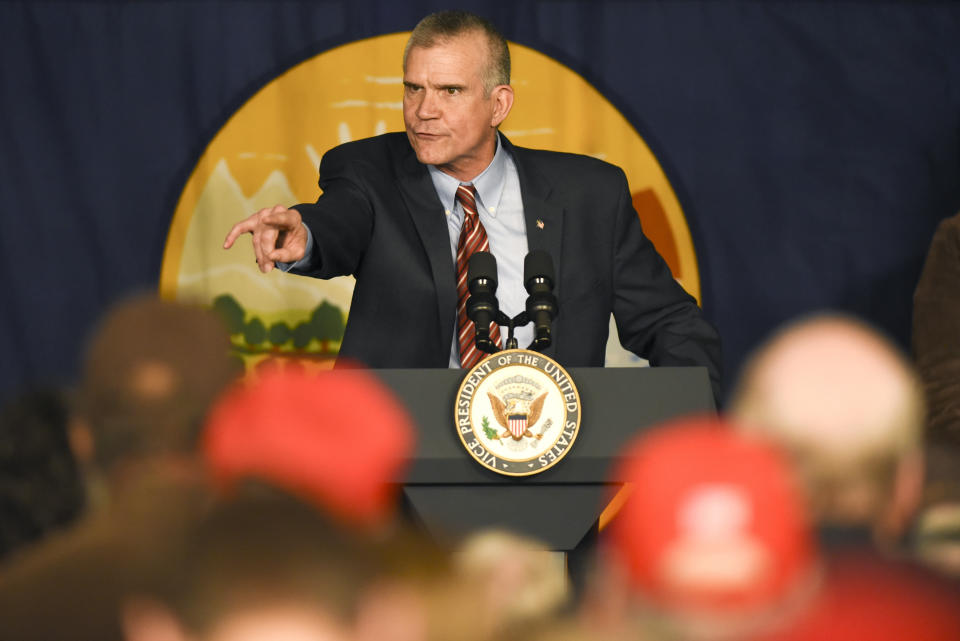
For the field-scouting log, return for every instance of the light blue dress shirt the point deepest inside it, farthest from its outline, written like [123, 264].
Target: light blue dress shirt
[500, 207]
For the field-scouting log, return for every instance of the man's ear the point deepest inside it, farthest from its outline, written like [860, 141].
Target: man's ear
[502, 96]
[81, 440]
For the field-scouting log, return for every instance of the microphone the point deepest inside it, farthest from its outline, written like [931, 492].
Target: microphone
[482, 306]
[542, 306]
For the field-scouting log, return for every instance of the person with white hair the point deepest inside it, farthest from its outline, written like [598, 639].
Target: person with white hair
[849, 408]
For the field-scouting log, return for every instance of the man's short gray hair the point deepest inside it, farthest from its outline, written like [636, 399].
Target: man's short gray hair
[445, 25]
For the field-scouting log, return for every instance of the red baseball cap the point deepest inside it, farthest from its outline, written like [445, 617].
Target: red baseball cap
[339, 438]
[715, 521]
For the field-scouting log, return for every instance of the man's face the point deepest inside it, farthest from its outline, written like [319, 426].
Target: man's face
[450, 121]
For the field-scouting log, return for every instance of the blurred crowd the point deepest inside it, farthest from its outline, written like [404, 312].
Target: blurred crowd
[167, 497]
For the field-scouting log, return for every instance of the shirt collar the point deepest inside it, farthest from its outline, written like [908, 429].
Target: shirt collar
[489, 183]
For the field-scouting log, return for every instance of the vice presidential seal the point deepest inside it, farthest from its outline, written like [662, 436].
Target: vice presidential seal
[517, 412]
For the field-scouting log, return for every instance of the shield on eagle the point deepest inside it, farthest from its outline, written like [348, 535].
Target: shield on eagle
[513, 418]
[517, 424]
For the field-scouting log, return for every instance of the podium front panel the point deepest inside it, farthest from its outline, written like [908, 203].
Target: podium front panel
[452, 494]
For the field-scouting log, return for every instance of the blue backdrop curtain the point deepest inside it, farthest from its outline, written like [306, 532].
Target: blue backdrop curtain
[814, 146]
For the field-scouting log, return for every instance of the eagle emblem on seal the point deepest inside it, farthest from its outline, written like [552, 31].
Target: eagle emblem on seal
[519, 409]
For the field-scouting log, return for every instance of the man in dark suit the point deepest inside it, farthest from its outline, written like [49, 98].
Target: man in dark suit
[391, 214]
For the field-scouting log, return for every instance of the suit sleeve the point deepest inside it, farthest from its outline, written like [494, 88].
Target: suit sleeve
[340, 222]
[656, 318]
[936, 332]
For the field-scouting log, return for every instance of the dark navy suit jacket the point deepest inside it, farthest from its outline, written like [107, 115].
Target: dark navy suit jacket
[380, 219]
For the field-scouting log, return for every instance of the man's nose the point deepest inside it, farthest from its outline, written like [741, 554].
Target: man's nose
[429, 106]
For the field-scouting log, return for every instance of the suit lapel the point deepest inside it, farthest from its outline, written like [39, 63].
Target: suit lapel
[542, 214]
[425, 209]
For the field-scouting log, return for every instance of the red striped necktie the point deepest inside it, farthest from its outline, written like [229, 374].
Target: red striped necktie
[473, 238]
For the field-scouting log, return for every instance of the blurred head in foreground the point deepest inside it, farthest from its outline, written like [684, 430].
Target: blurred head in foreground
[713, 541]
[519, 582]
[259, 566]
[339, 439]
[849, 409]
[263, 564]
[152, 370]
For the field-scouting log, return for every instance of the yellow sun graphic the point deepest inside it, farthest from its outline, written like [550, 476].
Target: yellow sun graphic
[268, 151]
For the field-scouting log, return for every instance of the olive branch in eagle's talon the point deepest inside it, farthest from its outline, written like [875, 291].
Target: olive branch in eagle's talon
[489, 431]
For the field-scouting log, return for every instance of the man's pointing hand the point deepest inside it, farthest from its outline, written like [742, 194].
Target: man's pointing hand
[278, 236]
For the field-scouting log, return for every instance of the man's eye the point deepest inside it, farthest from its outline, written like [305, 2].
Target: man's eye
[453, 91]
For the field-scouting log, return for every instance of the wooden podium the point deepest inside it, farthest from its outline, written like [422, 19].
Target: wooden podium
[451, 494]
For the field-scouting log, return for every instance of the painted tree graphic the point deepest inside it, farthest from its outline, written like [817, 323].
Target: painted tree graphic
[279, 334]
[254, 332]
[302, 335]
[327, 325]
[232, 313]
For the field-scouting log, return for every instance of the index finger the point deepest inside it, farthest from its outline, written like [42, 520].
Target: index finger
[243, 227]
